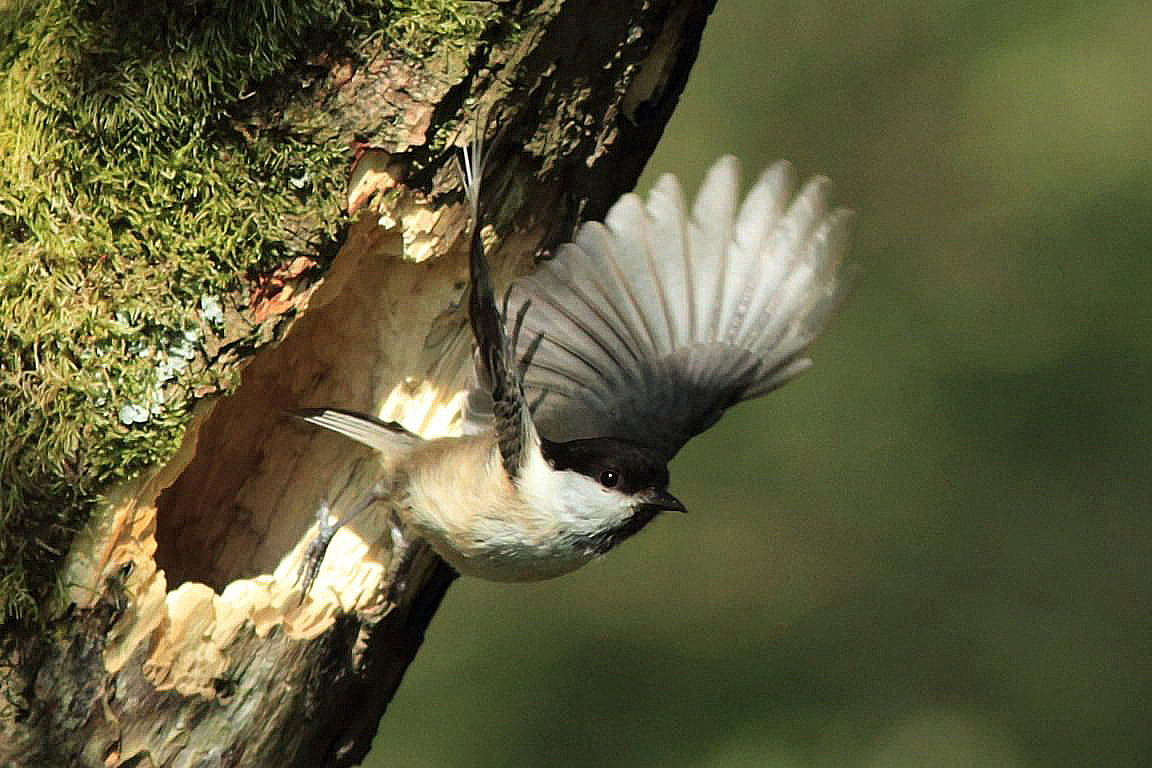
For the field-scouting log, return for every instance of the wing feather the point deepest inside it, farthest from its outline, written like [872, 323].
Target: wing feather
[669, 240]
[711, 228]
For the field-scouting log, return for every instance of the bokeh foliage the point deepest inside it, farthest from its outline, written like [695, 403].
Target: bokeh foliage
[136, 206]
[933, 548]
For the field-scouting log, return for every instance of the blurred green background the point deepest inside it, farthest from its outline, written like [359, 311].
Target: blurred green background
[933, 549]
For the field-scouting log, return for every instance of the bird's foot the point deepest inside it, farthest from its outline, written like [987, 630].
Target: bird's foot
[403, 554]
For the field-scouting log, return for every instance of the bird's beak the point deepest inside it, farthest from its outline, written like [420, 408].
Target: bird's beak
[656, 500]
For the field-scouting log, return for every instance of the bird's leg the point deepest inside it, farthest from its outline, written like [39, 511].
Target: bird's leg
[310, 565]
[326, 530]
[404, 552]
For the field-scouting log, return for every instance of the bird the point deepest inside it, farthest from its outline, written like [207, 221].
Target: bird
[600, 365]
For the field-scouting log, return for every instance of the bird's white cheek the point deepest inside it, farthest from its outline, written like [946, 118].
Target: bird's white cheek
[578, 504]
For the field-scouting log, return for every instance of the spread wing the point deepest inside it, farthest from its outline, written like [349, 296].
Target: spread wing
[495, 366]
[649, 325]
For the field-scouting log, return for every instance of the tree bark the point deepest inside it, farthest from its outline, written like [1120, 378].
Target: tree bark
[182, 640]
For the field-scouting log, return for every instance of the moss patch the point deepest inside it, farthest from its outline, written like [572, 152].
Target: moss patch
[136, 209]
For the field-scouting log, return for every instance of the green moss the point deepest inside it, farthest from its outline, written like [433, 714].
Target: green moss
[135, 202]
[420, 26]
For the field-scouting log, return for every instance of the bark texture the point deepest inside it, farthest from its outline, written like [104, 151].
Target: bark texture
[182, 640]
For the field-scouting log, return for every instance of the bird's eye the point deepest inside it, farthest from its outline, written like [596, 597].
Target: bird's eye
[609, 478]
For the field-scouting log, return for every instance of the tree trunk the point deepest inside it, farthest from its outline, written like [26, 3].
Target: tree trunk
[179, 638]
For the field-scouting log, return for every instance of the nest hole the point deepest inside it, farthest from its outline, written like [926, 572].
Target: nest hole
[250, 491]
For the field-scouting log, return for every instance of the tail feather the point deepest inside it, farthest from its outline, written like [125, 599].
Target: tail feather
[393, 441]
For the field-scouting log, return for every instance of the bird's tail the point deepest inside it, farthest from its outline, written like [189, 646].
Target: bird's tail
[393, 441]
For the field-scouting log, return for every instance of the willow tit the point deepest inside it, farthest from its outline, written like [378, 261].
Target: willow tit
[636, 336]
